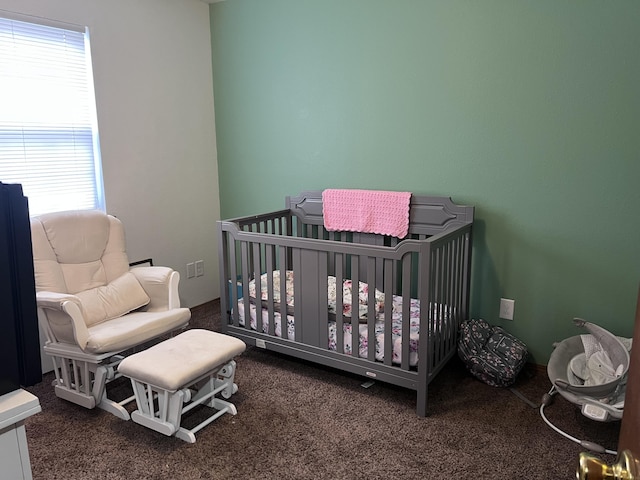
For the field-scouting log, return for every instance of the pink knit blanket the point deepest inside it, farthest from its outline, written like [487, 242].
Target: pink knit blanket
[371, 211]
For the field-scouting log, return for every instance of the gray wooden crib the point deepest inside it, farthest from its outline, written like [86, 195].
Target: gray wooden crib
[281, 274]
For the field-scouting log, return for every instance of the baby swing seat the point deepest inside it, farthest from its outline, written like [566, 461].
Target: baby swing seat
[595, 379]
[589, 371]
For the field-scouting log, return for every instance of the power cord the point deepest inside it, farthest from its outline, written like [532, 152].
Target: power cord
[594, 447]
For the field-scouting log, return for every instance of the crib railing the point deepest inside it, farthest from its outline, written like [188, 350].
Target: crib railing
[434, 270]
[429, 268]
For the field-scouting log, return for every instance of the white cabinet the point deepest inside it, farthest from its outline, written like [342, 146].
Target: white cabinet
[14, 453]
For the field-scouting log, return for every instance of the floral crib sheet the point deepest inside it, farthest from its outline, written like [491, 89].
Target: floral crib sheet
[347, 295]
[363, 333]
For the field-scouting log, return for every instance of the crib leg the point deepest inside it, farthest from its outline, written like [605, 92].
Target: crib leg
[421, 407]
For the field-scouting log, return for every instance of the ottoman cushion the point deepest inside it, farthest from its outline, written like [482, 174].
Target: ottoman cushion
[176, 362]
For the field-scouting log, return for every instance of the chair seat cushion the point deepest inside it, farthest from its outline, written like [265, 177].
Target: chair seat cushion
[133, 329]
[115, 299]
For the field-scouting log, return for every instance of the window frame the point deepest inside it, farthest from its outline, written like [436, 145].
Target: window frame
[31, 141]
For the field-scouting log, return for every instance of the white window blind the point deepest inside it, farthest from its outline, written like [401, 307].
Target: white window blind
[48, 129]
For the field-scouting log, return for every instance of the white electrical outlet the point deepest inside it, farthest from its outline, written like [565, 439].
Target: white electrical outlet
[191, 270]
[506, 308]
[199, 268]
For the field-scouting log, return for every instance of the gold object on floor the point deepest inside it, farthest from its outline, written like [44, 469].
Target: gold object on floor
[591, 467]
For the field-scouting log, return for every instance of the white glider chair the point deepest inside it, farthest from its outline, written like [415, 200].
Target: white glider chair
[92, 306]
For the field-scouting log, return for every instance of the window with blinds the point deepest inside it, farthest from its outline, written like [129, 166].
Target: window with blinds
[48, 128]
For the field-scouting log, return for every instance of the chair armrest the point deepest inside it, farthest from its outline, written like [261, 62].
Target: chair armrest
[161, 284]
[64, 317]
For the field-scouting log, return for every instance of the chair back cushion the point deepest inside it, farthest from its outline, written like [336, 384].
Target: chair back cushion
[83, 253]
[77, 250]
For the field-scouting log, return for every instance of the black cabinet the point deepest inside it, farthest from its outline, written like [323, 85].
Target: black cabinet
[19, 337]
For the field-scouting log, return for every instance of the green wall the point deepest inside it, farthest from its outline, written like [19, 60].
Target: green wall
[529, 110]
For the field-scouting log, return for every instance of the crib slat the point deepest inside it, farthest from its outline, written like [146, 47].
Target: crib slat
[323, 300]
[233, 279]
[355, 330]
[371, 307]
[339, 275]
[466, 273]
[289, 225]
[449, 290]
[244, 259]
[450, 248]
[258, 283]
[388, 312]
[437, 301]
[454, 309]
[297, 284]
[406, 310]
[284, 320]
[269, 268]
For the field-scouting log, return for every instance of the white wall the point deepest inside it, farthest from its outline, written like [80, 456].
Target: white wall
[154, 95]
